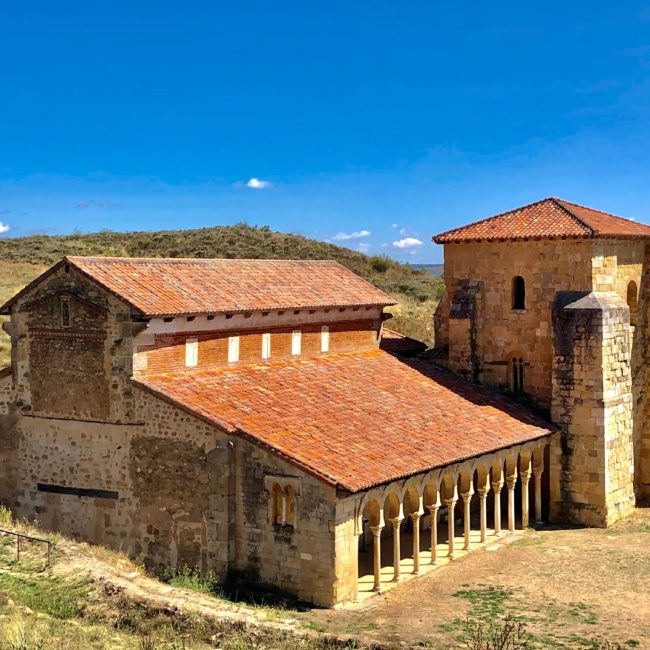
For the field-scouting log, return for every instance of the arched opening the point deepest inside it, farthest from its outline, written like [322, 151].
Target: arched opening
[518, 292]
[290, 515]
[277, 505]
[517, 375]
[632, 301]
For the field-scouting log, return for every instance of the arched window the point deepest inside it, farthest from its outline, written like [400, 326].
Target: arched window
[517, 375]
[283, 505]
[289, 510]
[632, 301]
[277, 504]
[518, 293]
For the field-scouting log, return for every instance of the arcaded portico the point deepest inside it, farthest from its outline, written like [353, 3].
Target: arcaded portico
[490, 495]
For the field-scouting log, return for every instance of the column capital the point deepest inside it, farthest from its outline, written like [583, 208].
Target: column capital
[511, 481]
[450, 503]
[538, 470]
[396, 521]
[483, 492]
[497, 486]
[525, 477]
[376, 530]
[467, 496]
[415, 516]
[433, 509]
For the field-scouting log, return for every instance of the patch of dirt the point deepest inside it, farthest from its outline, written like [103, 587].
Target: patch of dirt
[569, 586]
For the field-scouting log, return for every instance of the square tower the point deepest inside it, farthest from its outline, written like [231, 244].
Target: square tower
[549, 302]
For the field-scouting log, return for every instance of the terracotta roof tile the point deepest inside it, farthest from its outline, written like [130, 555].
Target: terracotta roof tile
[547, 219]
[168, 287]
[355, 420]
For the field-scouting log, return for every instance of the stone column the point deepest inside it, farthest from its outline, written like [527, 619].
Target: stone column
[538, 471]
[467, 502]
[376, 549]
[396, 547]
[497, 506]
[482, 495]
[451, 504]
[511, 482]
[525, 478]
[415, 518]
[433, 509]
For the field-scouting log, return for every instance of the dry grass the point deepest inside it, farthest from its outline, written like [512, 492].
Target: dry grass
[13, 277]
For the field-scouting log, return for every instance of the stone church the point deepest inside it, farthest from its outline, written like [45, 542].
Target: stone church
[258, 416]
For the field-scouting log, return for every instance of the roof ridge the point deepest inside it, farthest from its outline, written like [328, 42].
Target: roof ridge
[575, 217]
[586, 207]
[494, 216]
[199, 260]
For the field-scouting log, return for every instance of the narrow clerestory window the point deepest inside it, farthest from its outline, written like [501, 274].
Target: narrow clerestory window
[266, 345]
[296, 338]
[518, 293]
[233, 349]
[324, 338]
[191, 352]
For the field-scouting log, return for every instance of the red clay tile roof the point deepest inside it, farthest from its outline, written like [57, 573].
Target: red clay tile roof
[169, 287]
[547, 219]
[354, 420]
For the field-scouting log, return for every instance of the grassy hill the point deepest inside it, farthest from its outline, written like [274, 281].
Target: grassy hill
[22, 259]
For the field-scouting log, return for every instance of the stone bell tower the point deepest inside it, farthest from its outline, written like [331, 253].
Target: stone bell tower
[549, 302]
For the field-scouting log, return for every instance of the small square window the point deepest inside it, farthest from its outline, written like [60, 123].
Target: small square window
[191, 352]
[296, 337]
[266, 345]
[233, 349]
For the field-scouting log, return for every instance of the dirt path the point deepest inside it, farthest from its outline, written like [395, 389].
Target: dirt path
[568, 587]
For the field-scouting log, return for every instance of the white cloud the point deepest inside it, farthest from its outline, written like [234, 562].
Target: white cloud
[364, 247]
[4, 227]
[345, 236]
[403, 231]
[257, 184]
[407, 242]
[394, 225]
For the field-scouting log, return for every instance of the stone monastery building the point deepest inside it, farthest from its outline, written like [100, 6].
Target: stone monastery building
[257, 416]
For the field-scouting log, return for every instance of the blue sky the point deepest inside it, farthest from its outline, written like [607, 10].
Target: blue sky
[383, 122]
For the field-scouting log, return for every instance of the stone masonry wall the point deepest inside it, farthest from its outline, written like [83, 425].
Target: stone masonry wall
[79, 371]
[8, 440]
[175, 491]
[298, 559]
[476, 317]
[592, 460]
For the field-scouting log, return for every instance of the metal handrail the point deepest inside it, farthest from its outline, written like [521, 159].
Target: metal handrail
[31, 538]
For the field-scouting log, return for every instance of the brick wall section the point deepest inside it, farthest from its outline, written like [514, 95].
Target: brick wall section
[168, 351]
